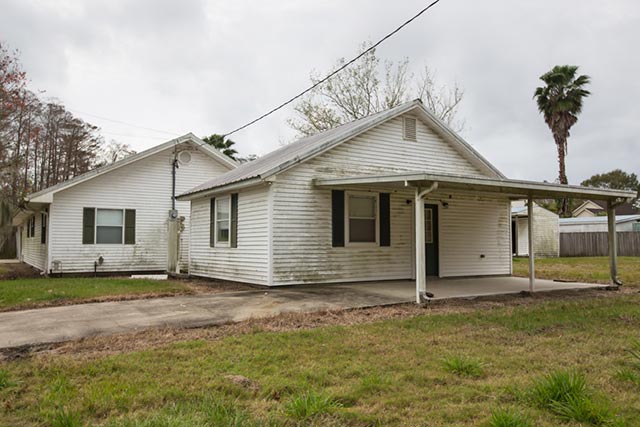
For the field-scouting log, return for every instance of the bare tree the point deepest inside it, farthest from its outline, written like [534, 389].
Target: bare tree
[370, 86]
[115, 151]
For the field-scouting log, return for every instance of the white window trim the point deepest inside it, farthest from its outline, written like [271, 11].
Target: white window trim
[95, 225]
[347, 241]
[216, 242]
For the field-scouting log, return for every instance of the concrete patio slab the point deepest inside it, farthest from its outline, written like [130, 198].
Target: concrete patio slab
[57, 324]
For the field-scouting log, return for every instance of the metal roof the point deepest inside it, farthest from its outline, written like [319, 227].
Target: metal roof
[510, 187]
[307, 147]
[598, 220]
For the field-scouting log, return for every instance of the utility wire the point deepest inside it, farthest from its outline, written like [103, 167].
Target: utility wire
[123, 123]
[310, 88]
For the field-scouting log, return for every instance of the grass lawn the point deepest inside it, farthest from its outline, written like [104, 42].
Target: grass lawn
[435, 369]
[581, 269]
[18, 293]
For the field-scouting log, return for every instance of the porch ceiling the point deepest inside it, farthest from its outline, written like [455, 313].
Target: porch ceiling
[510, 187]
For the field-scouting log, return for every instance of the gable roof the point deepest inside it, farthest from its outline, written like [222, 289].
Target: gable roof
[597, 206]
[310, 146]
[45, 195]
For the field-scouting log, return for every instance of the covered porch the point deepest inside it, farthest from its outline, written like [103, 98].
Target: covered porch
[401, 291]
[422, 184]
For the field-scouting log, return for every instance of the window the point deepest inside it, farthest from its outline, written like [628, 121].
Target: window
[222, 221]
[636, 226]
[31, 227]
[362, 218]
[428, 225]
[109, 225]
[43, 228]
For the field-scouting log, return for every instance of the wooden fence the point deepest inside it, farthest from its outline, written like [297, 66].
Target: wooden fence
[596, 244]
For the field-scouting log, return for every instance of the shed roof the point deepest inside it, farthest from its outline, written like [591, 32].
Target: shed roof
[308, 147]
[510, 187]
[598, 220]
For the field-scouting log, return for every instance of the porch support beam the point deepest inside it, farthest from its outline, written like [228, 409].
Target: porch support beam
[421, 259]
[613, 243]
[532, 270]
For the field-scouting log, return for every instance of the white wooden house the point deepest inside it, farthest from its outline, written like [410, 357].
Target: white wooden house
[388, 196]
[114, 218]
[546, 236]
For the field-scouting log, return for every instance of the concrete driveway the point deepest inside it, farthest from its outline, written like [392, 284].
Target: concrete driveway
[56, 324]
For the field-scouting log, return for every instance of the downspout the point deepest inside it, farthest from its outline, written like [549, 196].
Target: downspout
[174, 166]
[421, 268]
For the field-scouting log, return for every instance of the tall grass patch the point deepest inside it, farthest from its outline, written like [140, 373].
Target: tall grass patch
[509, 418]
[311, 405]
[464, 366]
[565, 394]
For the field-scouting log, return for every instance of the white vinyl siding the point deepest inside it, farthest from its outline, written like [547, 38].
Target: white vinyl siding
[383, 149]
[248, 262]
[145, 186]
[546, 237]
[474, 230]
[34, 252]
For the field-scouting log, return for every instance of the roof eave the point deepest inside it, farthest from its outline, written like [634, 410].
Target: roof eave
[234, 186]
[506, 186]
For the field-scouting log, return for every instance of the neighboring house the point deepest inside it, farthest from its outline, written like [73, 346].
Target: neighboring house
[599, 224]
[546, 233]
[395, 195]
[592, 208]
[117, 213]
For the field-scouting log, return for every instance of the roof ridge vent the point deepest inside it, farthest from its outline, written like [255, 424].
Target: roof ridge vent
[409, 128]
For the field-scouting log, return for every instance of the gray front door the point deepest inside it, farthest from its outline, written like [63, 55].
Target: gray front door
[431, 238]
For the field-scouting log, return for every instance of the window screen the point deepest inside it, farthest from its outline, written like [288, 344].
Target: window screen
[222, 220]
[362, 219]
[109, 226]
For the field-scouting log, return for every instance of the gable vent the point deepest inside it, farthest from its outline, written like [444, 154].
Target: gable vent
[409, 129]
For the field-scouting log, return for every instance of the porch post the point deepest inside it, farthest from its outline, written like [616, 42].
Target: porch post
[532, 272]
[613, 243]
[421, 269]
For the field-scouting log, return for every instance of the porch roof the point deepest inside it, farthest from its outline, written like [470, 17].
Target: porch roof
[510, 187]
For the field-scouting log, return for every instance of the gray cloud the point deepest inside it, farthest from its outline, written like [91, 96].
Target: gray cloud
[209, 66]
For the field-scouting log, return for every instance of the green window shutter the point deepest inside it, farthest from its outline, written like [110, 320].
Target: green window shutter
[337, 218]
[130, 227]
[212, 223]
[234, 221]
[385, 219]
[88, 225]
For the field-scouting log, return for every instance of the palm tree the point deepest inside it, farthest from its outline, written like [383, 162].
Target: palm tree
[560, 101]
[225, 146]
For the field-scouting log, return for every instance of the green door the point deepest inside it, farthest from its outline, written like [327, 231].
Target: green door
[431, 238]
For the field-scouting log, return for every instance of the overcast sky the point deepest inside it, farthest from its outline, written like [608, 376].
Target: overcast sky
[209, 66]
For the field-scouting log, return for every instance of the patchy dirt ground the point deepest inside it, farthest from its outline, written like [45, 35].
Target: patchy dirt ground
[96, 347]
[10, 271]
